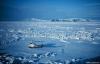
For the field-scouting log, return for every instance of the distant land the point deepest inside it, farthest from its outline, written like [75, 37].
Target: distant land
[63, 20]
[54, 20]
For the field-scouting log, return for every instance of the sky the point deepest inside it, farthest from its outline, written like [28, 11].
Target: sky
[48, 9]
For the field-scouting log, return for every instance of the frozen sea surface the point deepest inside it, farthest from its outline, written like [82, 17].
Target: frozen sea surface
[61, 40]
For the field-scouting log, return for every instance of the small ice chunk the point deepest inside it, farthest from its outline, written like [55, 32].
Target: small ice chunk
[47, 54]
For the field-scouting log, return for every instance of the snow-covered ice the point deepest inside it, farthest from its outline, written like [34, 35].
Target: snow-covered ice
[63, 41]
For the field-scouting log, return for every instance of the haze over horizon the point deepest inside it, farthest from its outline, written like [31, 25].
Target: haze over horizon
[48, 9]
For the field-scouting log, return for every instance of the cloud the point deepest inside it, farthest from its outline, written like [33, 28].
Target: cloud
[93, 4]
